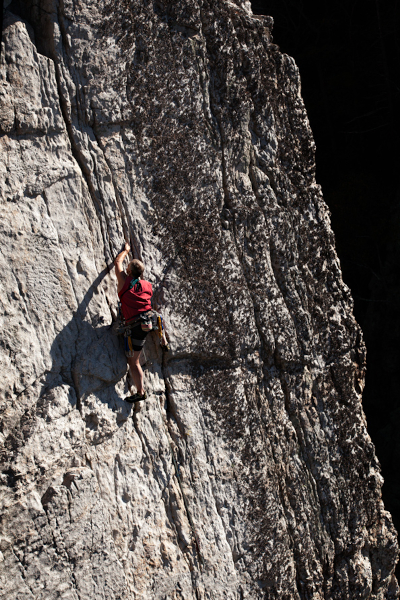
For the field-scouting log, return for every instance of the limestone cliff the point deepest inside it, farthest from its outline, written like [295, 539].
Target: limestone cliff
[177, 125]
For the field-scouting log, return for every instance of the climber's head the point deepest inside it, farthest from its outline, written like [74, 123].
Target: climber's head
[135, 268]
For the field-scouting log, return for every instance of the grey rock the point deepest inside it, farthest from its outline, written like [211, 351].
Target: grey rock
[180, 127]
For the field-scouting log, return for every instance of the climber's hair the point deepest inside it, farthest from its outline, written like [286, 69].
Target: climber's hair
[135, 268]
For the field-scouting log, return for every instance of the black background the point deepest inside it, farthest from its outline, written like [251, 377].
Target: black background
[348, 53]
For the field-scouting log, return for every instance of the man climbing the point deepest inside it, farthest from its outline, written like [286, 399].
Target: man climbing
[135, 296]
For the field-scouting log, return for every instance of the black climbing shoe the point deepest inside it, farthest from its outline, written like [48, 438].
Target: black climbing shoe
[136, 398]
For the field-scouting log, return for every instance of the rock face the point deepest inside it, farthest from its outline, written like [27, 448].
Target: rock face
[179, 126]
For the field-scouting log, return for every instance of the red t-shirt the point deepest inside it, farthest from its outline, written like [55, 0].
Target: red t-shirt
[134, 302]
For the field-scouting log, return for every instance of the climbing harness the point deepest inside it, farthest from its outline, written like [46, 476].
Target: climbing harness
[185, 502]
[120, 325]
[149, 321]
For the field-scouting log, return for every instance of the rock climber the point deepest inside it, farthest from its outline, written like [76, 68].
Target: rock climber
[135, 297]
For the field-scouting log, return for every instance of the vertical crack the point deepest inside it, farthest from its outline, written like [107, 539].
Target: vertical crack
[126, 223]
[196, 542]
[76, 151]
[228, 204]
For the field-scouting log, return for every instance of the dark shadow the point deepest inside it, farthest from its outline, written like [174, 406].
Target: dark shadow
[89, 358]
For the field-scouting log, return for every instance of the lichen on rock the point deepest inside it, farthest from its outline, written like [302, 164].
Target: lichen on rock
[179, 127]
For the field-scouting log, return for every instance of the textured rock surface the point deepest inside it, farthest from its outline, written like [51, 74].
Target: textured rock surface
[180, 126]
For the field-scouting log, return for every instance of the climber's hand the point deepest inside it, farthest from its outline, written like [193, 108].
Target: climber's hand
[127, 247]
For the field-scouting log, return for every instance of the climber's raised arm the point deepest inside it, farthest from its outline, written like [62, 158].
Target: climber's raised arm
[119, 269]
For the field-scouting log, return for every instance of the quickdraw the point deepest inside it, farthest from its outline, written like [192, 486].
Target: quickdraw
[161, 333]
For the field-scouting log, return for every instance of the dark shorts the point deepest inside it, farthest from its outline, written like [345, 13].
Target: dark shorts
[134, 339]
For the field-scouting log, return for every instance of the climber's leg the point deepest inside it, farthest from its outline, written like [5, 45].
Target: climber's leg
[134, 342]
[136, 371]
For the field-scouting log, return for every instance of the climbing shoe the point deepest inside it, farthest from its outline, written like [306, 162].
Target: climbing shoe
[136, 398]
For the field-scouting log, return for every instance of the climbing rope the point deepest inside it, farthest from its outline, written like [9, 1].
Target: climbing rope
[189, 516]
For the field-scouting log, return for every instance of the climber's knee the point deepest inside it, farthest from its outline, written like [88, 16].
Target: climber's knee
[134, 361]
